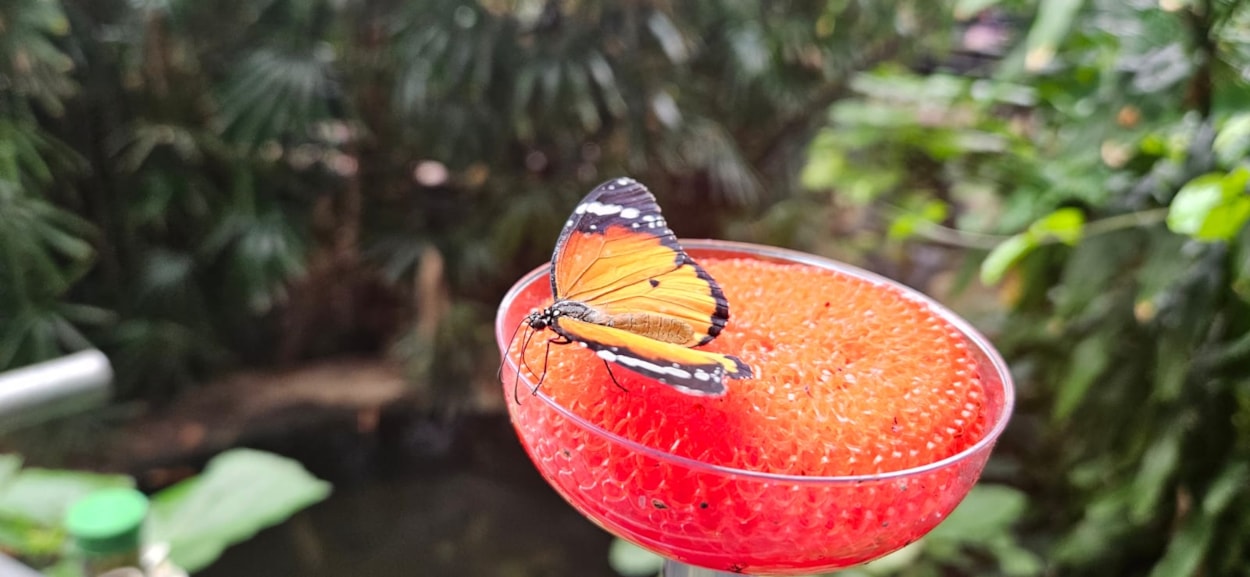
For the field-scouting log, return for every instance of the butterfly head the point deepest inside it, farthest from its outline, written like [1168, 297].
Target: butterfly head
[547, 317]
[539, 320]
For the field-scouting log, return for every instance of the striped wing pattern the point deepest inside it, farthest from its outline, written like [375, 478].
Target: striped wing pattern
[689, 370]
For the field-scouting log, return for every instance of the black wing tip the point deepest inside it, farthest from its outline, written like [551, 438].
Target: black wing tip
[617, 182]
[741, 369]
[616, 186]
[720, 316]
[710, 388]
[714, 386]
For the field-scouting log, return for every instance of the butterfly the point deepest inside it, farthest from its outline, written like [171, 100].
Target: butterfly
[624, 288]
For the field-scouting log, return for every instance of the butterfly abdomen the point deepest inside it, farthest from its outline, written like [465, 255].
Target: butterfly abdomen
[655, 326]
[658, 327]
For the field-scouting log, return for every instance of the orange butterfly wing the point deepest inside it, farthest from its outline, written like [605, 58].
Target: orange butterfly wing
[617, 255]
[690, 370]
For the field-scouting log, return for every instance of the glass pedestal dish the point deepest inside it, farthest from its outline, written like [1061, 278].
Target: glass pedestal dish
[733, 520]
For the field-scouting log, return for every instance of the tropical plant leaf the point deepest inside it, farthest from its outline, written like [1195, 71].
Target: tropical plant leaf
[1213, 207]
[239, 493]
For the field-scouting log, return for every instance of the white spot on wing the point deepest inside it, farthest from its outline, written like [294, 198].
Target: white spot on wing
[629, 213]
[598, 208]
[637, 363]
[623, 181]
[634, 362]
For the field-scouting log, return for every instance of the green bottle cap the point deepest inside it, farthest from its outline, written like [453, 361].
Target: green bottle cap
[107, 521]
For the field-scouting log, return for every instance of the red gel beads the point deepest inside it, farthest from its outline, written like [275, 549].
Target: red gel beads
[853, 378]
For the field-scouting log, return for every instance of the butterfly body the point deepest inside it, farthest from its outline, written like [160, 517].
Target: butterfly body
[653, 326]
[625, 289]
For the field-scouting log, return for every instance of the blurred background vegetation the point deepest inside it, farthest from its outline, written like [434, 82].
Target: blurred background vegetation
[199, 187]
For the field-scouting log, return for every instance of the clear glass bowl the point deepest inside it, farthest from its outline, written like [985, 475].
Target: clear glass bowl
[734, 520]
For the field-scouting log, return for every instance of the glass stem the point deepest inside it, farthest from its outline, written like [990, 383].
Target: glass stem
[678, 569]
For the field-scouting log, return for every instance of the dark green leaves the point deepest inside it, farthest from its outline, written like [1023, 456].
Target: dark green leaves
[1191, 545]
[278, 94]
[1090, 358]
[1114, 209]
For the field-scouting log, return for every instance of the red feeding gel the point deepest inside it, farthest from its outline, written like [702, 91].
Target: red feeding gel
[825, 459]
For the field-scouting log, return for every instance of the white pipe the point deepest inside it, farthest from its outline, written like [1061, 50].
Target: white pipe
[55, 388]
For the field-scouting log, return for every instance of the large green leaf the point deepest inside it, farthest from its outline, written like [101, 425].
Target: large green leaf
[1212, 207]
[240, 492]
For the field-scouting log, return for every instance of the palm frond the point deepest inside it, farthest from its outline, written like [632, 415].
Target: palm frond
[278, 95]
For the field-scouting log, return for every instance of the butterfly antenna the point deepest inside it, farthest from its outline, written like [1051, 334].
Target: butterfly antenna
[614, 381]
[525, 345]
[507, 351]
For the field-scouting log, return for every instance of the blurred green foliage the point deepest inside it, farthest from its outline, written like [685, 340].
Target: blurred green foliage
[190, 185]
[1097, 175]
[240, 492]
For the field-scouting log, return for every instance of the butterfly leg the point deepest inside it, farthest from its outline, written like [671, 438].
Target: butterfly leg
[558, 340]
[546, 354]
[614, 381]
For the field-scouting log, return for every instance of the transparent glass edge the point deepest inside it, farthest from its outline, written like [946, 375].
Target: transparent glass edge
[731, 248]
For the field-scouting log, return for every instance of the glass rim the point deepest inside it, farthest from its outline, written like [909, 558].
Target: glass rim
[795, 257]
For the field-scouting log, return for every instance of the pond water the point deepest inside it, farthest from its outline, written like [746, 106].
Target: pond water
[423, 497]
